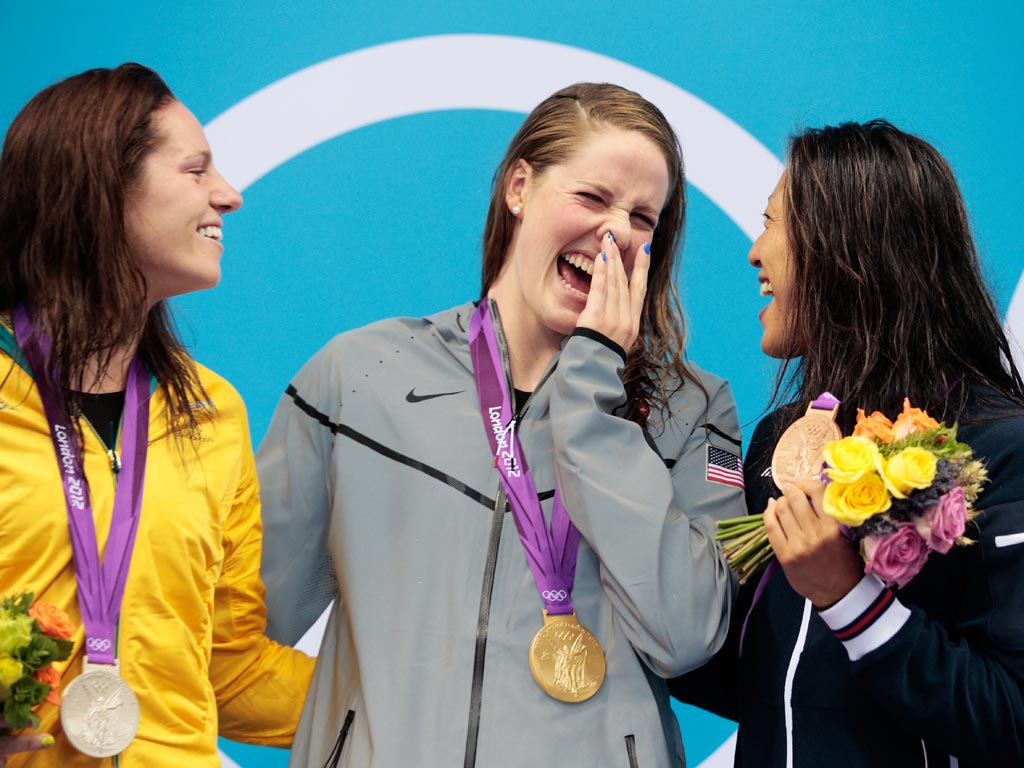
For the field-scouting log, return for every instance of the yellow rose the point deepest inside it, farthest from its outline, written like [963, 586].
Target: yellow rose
[848, 459]
[10, 671]
[909, 469]
[853, 503]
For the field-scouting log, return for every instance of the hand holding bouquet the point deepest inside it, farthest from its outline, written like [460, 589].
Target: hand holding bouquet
[32, 637]
[901, 490]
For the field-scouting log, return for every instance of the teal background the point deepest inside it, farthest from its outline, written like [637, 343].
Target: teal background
[386, 219]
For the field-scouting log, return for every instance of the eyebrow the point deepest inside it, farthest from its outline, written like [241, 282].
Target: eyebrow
[206, 156]
[655, 212]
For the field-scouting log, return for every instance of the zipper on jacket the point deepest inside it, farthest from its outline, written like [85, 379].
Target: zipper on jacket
[787, 693]
[339, 745]
[631, 750]
[483, 619]
[484, 616]
[112, 454]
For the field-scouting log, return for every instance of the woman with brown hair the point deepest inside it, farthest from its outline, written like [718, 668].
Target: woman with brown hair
[128, 492]
[405, 456]
[876, 296]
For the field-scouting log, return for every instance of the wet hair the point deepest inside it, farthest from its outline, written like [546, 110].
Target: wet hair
[70, 161]
[887, 277]
[549, 136]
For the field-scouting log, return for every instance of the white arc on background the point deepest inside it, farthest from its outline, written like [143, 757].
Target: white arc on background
[472, 72]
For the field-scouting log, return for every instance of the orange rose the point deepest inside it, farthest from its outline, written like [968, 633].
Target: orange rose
[51, 677]
[52, 620]
[912, 420]
[874, 427]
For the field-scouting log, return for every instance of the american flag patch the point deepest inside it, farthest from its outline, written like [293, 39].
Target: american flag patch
[724, 467]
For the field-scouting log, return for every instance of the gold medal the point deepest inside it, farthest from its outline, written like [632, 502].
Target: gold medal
[566, 660]
[798, 454]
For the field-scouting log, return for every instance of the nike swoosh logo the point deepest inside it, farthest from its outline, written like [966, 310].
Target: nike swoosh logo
[412, 397]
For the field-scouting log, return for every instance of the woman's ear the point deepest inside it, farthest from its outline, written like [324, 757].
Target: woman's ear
[516, 184]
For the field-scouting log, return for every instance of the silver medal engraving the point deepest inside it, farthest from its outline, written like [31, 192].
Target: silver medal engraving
[99, 711]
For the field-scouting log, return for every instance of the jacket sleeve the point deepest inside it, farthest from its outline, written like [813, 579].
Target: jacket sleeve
[959, 683]
[715, 686]
[294, 465]
[259, 685]
[651, 526]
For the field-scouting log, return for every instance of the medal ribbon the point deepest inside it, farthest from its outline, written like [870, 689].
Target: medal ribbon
[100, 585]
[550, 551]
[826, 401]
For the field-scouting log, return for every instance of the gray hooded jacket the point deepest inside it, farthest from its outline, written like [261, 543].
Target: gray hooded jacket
[380, 492]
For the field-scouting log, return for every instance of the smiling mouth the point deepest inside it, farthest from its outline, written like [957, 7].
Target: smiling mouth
[213, 233]
[576, 271]
[766, 288]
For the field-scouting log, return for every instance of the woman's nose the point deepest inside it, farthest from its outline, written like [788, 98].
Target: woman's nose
[224, 197]
[620, 230]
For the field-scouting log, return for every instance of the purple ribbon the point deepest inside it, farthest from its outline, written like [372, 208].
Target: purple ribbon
[826, 401]
[100, 585]
[550, 551]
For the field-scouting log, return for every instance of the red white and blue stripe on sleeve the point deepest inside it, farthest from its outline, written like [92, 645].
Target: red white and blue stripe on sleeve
[866, 618]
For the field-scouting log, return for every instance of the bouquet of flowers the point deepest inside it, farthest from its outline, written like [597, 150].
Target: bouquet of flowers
[901, 490]
[32, 637]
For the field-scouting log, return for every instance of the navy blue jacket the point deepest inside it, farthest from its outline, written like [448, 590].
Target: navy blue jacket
[928, 675]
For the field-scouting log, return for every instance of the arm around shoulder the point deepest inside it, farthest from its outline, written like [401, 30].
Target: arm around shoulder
[259, 685]
[294, 465]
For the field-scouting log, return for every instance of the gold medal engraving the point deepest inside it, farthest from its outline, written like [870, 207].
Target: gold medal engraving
[798, 454]
[566, 660]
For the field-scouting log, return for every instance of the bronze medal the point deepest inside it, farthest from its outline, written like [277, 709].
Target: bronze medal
[566, 660]
[99, 711]
[798, 454]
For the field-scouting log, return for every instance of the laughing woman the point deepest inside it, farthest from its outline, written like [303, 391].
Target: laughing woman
[877, 297]
[116, 446]
[406, 456]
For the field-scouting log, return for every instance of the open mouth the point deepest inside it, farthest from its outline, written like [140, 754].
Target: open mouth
[576, 272]
[214, 233]
[766, 288]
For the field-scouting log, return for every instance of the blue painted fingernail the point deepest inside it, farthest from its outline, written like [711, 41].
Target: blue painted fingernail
[604, 256]
[611, 237]
[647, 248]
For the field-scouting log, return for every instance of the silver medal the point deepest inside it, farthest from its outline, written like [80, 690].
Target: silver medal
[99, 711]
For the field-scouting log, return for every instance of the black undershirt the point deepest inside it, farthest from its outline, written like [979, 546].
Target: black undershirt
[521, 398]
[104, 413]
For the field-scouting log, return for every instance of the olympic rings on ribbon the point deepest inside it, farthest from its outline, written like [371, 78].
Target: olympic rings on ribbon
[97, 644]
[554, 595]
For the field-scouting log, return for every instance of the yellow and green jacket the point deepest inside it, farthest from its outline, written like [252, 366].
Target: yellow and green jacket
[190, 638]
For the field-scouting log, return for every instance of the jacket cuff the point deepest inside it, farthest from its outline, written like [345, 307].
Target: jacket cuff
[867, 618]
[600, 338]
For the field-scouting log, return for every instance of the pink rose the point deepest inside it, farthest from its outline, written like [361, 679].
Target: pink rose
[943, 523]
[897, 557]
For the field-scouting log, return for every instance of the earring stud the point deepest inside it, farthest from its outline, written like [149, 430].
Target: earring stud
[516, 210]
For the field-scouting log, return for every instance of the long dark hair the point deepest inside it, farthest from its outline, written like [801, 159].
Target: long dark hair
[549, 136]
[70, 160]
[891, 299]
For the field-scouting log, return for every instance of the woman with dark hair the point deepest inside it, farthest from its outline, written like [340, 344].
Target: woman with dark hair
[117, 446]
[877, 296]
[404, 455]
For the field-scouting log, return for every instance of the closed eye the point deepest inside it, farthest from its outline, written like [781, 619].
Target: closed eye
[591, 197]
[648, 221]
